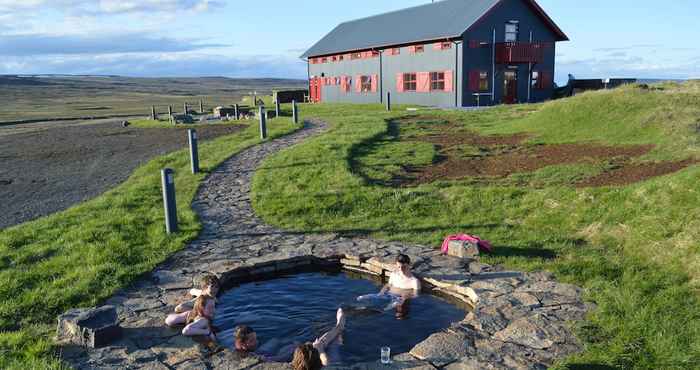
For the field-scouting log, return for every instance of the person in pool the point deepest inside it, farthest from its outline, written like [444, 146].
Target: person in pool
[308, 356]
[402, 281]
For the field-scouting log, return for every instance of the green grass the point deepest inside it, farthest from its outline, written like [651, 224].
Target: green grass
[79, 257]
[164, 123]
[634, 249]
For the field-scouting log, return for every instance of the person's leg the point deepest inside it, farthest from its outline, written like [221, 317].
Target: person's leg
[198, 327]
[176, 318]
[323, 341]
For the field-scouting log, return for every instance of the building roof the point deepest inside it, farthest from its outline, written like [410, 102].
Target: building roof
[441, 20]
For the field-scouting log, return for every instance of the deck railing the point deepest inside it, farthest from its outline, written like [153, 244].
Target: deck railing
[520, 52]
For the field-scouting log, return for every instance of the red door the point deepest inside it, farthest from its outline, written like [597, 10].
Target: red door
[315, 89]
[510, 87]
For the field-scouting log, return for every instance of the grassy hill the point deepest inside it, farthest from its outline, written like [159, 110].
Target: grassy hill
[634, 245]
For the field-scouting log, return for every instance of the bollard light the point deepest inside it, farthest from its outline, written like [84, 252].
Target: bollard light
[263, 123]
[167, 176]
[194, 154]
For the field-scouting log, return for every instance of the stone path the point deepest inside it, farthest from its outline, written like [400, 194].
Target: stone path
[520, 320]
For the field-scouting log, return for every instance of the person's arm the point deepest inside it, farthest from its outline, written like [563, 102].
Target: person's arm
[198, 327]
[388, 285]
[195, 292]
[184, 307]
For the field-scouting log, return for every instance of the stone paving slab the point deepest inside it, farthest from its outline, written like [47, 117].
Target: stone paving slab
[518, 320]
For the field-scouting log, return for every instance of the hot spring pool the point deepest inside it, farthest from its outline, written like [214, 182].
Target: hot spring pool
[299, 308]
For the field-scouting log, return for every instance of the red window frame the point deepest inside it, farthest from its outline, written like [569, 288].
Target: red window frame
[410, 82]
[395, 51]
[437, 81]
[365, 84]
[419, 49]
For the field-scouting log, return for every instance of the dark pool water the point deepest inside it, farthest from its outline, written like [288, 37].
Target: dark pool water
[299, 308]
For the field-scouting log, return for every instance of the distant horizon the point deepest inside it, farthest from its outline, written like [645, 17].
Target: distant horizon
[198, 38]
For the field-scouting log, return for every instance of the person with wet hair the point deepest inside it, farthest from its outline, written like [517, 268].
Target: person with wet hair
[402, 279]
[307, 356]
[402, 286]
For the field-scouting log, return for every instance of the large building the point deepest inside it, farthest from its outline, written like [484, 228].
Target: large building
[447, 53]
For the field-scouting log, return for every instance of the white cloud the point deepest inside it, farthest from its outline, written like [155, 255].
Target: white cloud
[158, 65]
[30, 45]
[108, 6]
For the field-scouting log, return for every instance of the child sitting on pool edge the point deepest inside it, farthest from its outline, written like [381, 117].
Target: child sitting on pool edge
[209, 285]
[200, 319]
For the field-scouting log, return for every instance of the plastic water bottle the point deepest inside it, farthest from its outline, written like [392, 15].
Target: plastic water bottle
[386, 355]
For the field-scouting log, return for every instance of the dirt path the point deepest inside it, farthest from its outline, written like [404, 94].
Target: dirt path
[44, 170]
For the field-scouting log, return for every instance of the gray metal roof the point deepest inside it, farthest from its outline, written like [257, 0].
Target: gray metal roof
[443, 19]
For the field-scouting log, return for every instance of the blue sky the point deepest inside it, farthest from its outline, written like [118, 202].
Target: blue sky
[621, 38]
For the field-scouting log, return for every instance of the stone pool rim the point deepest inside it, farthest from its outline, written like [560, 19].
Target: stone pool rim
[369, 267]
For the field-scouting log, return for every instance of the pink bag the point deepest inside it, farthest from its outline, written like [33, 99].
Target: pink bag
[484, 245]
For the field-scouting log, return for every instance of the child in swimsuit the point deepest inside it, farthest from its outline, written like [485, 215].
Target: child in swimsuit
[200, 318]
[209, 286]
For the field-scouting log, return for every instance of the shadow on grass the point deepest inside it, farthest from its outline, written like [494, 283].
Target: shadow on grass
[366, 147]
[590, 367]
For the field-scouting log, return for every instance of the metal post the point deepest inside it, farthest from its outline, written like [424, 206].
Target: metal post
[201, 107]
[153, 112]
[295, 112]
[170, 110]
[184, 106]
[236, 112]
[168, 181]
[194, 154]
[277, 106]
[263, 123]
[388, 101]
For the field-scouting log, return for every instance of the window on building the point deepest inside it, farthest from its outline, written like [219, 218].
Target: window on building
[375, 53]
[341, 57]
[416, 49]
[366, 84]
[437, 81]
[483, 81]
[536, 80]
[410, 82]
[395, 51]
[511, 32]
[356, 56]
[446, 45]
[324, 60]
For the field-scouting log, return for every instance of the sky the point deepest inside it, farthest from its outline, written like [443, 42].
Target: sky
[237, 38]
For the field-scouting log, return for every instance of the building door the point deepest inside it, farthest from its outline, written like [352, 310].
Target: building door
[510, 87]
[315, 89]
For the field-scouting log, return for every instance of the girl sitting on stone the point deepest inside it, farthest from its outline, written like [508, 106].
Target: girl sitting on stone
[209, 286]
[200, 318]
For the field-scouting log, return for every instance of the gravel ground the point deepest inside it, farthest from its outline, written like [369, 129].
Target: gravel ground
[45, 170]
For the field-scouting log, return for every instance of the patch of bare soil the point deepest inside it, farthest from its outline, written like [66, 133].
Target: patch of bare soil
[504, 155]
[48, 170]
[631, 173]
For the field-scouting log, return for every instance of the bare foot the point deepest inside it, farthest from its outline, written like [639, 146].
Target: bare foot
[340, 317]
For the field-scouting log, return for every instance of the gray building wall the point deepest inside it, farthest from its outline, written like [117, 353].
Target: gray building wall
[481, 58]
[430, 60]
[461, 59]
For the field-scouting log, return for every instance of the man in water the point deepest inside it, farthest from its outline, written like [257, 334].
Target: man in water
[402, 286]
[401, 281]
